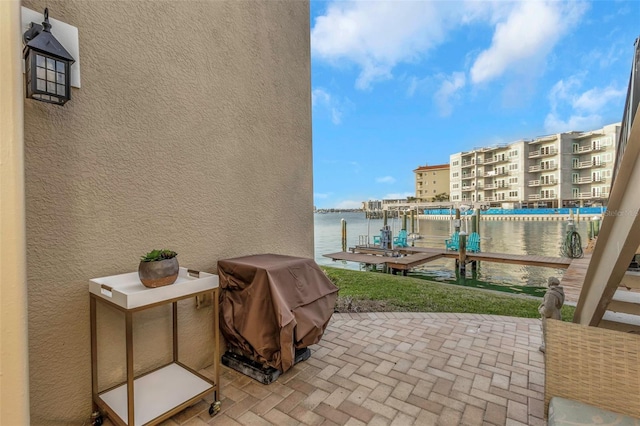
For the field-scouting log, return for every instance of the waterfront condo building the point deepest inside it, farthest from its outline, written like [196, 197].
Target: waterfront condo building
[432, 182]
[562, 170]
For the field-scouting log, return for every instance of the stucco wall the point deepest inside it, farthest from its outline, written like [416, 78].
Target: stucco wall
[191, 131]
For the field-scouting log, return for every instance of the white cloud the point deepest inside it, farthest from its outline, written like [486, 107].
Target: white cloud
[320, 98]
[584, 109]
[554, 124]
[377, 35]
[448, 90]
[386, 179]
[563, 91]
[596, 98]
[524, 38]
[398, 195]
[320, 195]
[349, 204]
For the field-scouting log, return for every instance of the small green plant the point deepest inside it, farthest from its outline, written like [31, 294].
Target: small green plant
[155, 255]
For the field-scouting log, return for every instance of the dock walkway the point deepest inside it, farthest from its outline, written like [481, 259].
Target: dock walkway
[405, 258]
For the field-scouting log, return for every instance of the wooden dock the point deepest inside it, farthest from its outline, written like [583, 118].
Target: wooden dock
[519, 259]
[573, 278]
[370, 259]
[405, 258]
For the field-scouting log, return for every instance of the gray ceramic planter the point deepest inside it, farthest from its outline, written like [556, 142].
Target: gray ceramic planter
[159, 273]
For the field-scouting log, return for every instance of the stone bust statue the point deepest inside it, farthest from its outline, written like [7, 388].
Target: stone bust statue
[551, 305]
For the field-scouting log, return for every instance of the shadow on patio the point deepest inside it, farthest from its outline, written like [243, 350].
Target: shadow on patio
[400, 369]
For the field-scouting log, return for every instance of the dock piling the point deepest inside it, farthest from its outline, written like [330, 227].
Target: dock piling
[474, 223]
[462, 253]
[413, 222]
[596, 226]
[344, 234]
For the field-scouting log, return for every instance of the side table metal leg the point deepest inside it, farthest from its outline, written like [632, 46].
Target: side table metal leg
[130, 391]
[94, 351]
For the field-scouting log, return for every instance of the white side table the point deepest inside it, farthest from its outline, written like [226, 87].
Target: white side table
[154, 397]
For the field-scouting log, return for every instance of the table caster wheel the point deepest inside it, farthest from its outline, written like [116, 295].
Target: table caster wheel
[96, 419]
[214, 408]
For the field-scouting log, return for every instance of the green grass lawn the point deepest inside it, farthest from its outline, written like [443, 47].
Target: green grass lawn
[374, 291]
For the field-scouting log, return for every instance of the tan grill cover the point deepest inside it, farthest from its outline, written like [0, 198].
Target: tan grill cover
[271, 304]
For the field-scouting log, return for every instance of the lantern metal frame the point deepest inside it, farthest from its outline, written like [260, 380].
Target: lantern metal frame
[47, 65]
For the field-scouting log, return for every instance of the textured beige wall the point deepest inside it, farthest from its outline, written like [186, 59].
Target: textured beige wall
[191, 131]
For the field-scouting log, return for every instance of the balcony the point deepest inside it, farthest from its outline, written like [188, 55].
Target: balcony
[588, 164]
[471, 163]
[496, 159]
[542, 182]
[541, 167]
[590, 179]
[467, 188]
[543, 153]
[535, 197]
[591, 195]
[497, 186]
[587, 148]
[490, 199]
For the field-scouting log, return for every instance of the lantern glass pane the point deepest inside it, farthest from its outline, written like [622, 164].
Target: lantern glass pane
[51, 76]
[59, 66]
[60, 78]
[40, 61]
[51, 87]
[42, 85]
[41, 73]
[51, 64]
[61, 89]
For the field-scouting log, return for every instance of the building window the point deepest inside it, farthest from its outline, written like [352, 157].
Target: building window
[513, 153]
[434, 182]
[513, 194]
[513, 166]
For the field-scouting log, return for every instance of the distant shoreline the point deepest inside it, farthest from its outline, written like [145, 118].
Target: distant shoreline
[338, 211]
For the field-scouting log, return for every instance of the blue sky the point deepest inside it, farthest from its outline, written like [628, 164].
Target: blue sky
[400, 84]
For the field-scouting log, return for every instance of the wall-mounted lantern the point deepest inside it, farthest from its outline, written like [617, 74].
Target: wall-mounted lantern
[47, 65]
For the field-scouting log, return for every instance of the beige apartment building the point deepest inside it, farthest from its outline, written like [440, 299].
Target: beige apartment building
[570, 169]
[432, 181]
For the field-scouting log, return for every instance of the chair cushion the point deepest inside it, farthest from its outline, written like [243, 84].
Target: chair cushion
[565, 412]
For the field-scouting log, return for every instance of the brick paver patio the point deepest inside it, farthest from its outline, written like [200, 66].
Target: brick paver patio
[397, 369]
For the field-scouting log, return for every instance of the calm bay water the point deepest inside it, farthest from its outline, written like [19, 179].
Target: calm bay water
[542, 238]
